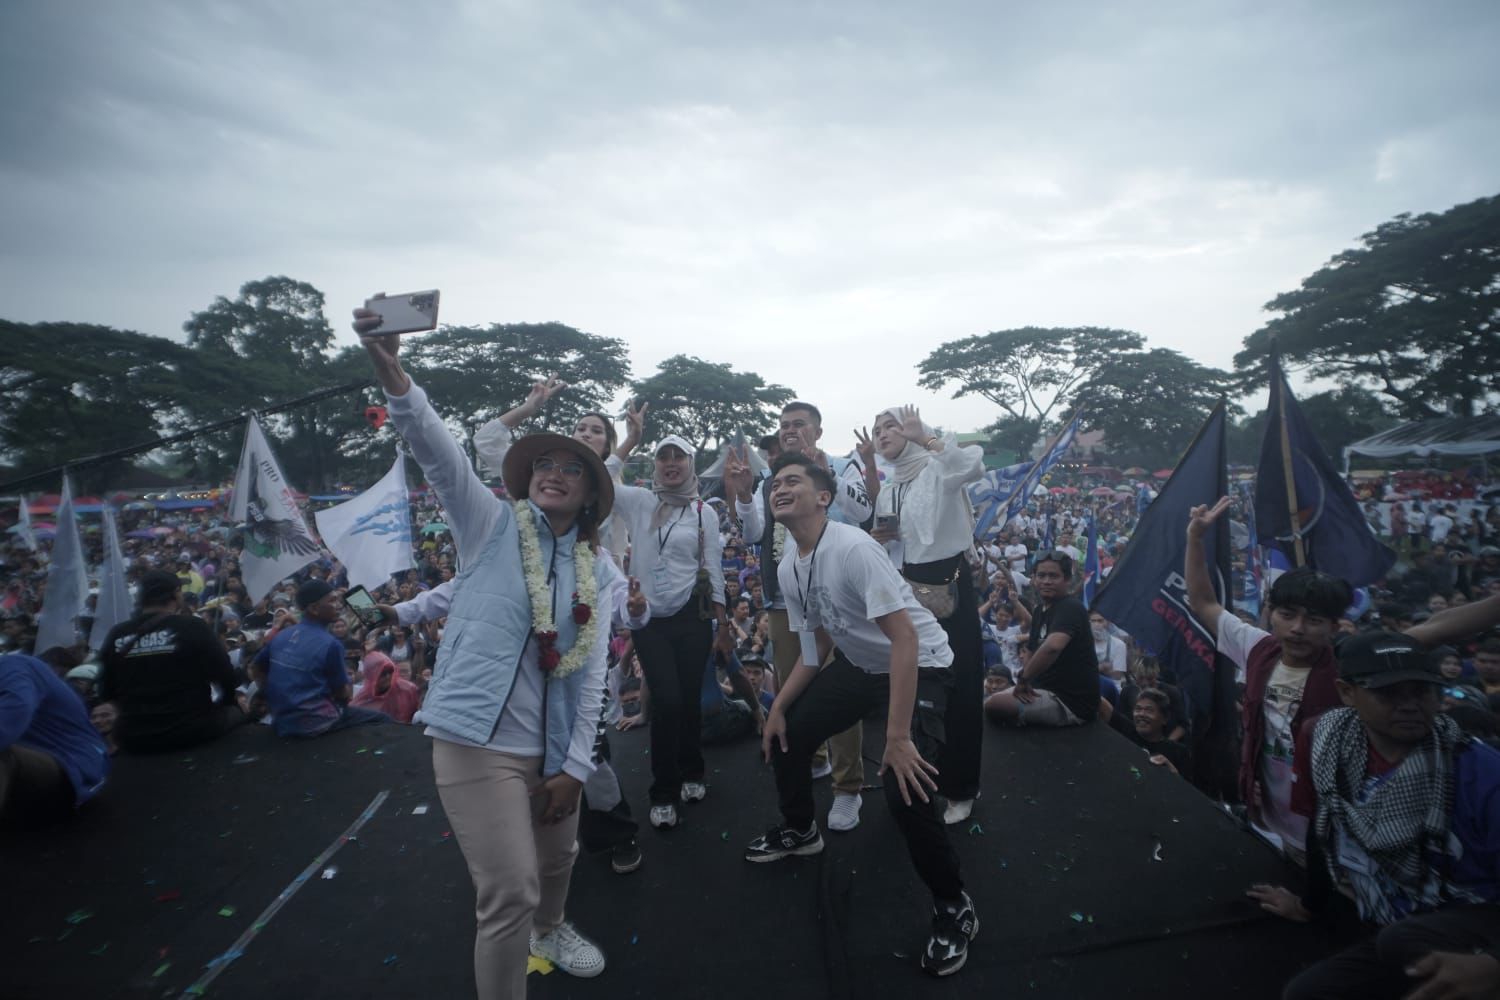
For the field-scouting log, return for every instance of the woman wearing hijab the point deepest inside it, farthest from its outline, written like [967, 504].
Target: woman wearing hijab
[516, 693]
[385, 690]
[675, 553]
[924, 519]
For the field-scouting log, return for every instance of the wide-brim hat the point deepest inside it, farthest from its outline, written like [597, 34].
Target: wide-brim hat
[516, 469]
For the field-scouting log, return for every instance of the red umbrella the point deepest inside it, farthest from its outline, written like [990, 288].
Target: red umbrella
[1163, 473]
[1101, 491]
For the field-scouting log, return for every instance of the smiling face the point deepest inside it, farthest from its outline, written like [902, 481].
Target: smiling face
[673, 467]
[888, 438]
[1148, 719]
[794, 495]
[592, 432]
[799, 431]
[561, 484]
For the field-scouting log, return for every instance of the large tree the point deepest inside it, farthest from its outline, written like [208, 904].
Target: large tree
[72, 391]
[1410, 313]
[1148, 402]
[1031, 373]
[477, 373]
[277, 339]
[706, 402]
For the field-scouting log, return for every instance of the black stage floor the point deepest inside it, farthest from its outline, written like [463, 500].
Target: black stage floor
[1095, 875]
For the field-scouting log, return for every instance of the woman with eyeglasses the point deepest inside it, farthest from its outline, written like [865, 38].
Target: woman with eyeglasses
[595, 429]
[515, 698]
[925, 521]
[675, 552]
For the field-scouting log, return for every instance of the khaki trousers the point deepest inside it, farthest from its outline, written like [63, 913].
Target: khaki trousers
[520, 870]
[844, 749]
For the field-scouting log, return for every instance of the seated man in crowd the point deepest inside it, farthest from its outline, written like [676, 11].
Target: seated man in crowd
[1059, 681]
[51, 759]
[1406, 819]
[302, 672]
[754, 668]
[161, 668]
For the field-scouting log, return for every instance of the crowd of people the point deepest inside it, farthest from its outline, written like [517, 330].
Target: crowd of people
[805, 593]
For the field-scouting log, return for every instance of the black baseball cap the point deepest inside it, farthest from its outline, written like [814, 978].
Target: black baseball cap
[312, 592]
[1380, 659]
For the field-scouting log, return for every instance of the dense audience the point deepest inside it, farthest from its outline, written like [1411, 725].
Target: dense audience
[1339, 689]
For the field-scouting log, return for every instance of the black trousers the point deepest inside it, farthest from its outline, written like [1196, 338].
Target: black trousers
[840, 695]
[603, 829]
[1375, 968]
[184, 733]
[674, 653]
[958, 770]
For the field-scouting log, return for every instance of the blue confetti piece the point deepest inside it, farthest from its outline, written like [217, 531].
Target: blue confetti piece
[635, 938]
[390, 959]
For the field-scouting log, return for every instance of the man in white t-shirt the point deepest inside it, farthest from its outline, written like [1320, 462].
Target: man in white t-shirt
[1015, 553]
[890, 657]
[1440, 524]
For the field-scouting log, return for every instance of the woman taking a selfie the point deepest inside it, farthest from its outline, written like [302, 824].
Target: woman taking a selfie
[924, 520]
[515, 697]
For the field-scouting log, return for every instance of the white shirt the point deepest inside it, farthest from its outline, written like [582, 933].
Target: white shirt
[666, 559]
[1440, 525]
[472, 511]
[842, 586]
[1110, 652]
[936, 519]
[1016, 554]
[851, 504]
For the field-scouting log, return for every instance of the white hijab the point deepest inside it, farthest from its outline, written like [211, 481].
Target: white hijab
[913, 458]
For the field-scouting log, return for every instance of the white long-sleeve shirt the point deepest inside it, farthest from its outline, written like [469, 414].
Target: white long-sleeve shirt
[472, 511]
[936, 520]
[432, 604]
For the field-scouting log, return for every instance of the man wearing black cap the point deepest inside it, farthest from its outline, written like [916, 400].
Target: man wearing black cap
[302, 672]
[161, 668]
[1405, 813]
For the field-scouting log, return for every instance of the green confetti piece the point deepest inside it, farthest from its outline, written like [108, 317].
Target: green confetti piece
[976, 829]
[226, 911]
[161, 970]
[99, 951]
[65, 934]
[1077, 917]
[724, 835]
[79, 916]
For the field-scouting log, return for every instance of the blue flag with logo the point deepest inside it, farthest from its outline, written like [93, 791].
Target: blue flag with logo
[1146, 595]
[991, 497]
[1317, 506]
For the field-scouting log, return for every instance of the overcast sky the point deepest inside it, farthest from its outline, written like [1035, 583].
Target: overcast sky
[819, 193]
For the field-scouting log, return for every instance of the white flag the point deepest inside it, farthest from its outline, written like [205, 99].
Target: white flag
[371, 534]
[23, 526]
[113, 605]
[277, 542]
[67, 581]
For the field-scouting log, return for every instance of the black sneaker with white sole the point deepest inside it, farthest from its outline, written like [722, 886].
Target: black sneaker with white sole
[625, 858]
[954, 925]
[782, 841]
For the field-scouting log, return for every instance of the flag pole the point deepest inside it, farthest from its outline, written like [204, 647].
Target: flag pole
[1280, 389]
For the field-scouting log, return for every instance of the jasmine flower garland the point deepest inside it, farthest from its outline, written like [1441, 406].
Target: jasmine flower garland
[553, 662]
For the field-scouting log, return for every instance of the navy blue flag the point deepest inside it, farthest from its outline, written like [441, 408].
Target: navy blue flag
[1146, 595]
[1318, 509]
[1091, 563]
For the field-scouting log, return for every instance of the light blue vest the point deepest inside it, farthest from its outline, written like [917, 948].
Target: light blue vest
[489, 626]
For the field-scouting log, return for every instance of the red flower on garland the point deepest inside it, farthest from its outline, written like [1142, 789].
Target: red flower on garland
[581, 612]
[547, 656]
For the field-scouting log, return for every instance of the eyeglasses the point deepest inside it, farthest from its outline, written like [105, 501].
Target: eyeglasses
[570, 470]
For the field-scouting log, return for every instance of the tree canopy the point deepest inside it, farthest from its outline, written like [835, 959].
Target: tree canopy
[1149, 402]
[1410, 313]
[707, 402]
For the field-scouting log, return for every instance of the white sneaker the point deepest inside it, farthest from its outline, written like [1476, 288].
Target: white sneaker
[569, 950]
[844, 815]
[694, 791]
[664, 817]
[958, 810]
[822, 770]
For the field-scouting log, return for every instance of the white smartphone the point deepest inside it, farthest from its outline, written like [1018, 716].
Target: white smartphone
[409, 312]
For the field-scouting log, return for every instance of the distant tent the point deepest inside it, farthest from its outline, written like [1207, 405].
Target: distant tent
[1446, 436]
